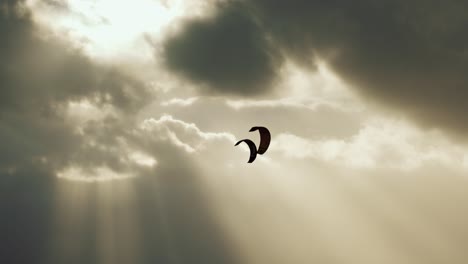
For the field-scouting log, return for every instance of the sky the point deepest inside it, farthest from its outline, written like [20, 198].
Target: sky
[118, 121]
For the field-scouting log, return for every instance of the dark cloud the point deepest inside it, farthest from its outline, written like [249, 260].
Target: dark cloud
[411, 56]
[397, 54]
[228, 53]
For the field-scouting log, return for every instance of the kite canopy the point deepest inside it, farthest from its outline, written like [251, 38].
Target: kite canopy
[265, 138]
[253, 149]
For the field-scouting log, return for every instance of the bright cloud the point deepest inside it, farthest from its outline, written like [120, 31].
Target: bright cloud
[380, 143]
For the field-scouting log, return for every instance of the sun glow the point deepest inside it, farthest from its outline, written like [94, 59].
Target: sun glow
[108, 28]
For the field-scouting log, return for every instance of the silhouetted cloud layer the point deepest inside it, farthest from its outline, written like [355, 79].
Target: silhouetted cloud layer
[228, 53]
[411, 56]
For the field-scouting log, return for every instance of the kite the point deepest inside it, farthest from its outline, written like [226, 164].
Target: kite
[265, 138]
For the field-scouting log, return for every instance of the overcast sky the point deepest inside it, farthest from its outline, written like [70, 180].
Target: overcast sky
[118, 121]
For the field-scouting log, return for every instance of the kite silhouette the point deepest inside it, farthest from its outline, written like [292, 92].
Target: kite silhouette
[265, 138]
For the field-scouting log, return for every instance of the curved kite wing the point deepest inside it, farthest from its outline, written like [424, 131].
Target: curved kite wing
[265, 138]
[253, 149]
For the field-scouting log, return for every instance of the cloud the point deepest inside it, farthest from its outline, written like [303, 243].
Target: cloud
[227, 53]
[410, 57]
[180, 102]
[310, 118]
[60, 109]
[65, 115]
[185, 135]
[382, 144]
